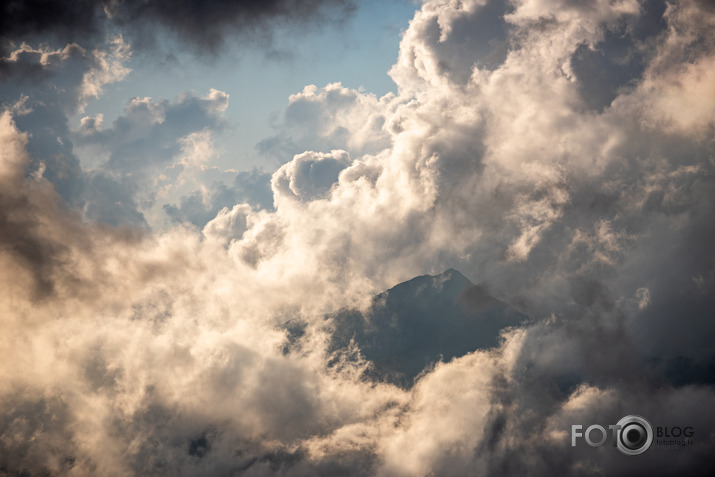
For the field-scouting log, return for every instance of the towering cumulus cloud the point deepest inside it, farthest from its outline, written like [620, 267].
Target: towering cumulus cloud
[561, 154]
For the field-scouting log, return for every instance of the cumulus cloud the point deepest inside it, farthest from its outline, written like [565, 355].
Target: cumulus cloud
[205, 350]
[43, 87]
[332, 117]
[309, 175]
[151, 132]
[201, 206]
[154, 144]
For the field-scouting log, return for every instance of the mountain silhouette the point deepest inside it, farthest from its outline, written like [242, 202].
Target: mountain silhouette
[424, 320]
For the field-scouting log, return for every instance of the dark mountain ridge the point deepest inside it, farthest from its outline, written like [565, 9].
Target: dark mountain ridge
[424, 320]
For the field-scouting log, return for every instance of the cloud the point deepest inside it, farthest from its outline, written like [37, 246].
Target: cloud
[332, 117]
[66, 20]
[207, 25]
[110, 67]
[446, 41]
[43, 87]
[199, 207]
[153, 144]
[228, 224]
[202, 25]
[586, 208]
[42, 236]
[152, 132]
[309, 175]
[56, 71]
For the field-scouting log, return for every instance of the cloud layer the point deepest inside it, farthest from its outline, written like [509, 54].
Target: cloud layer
[559, 153]
[203, 25]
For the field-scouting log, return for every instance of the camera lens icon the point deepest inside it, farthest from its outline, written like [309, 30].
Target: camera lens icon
[635, 435]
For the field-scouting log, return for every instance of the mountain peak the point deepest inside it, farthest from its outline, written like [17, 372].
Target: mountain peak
[420, 321]
[447, 285]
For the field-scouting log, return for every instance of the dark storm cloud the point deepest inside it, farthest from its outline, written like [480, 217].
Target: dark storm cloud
[208, 24]
[63, 21]
[67, 18]
[197, 23]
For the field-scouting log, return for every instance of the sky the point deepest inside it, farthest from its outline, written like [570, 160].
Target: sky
[191, 190]
[358, 53]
